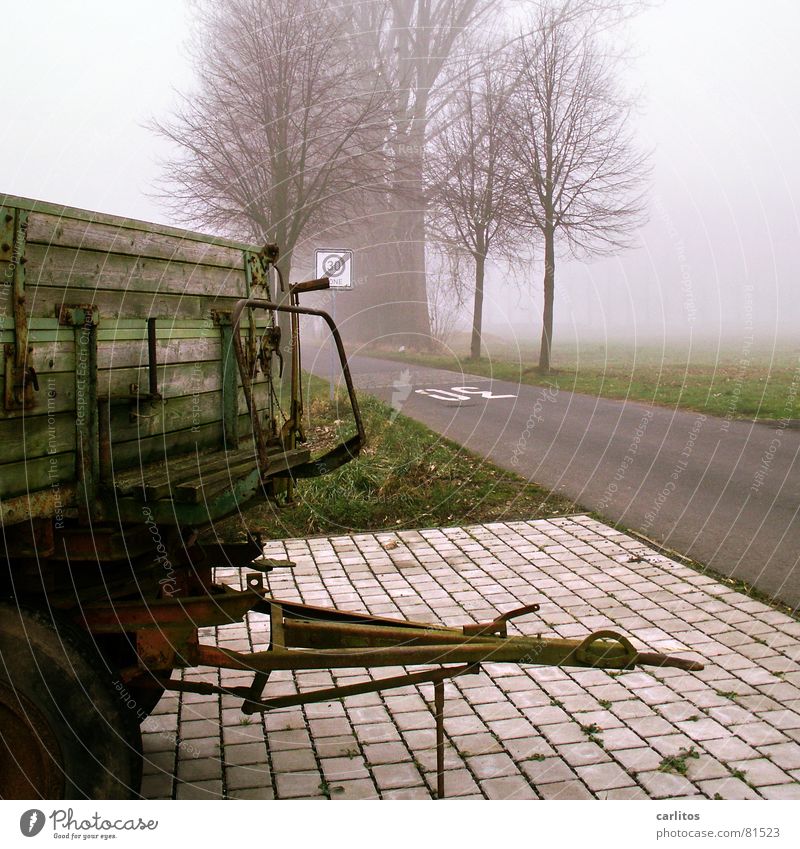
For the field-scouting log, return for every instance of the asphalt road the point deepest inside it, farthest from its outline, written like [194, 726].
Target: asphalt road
[725, 493]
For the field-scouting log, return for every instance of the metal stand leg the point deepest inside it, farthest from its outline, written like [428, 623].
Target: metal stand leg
[438, 700]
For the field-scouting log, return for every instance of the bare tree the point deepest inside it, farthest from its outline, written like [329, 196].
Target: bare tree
[581, 178]
[281, 128]
[447, 288]
[470, 174]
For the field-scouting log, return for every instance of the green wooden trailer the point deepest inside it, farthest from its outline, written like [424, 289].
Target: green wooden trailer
[142, 402]
[151, 386]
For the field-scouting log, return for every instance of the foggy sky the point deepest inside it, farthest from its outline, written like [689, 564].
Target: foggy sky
[720, 108]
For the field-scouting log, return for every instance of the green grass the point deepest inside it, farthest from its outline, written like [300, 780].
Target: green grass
[678, 763]
[744, 383]
[407, 477]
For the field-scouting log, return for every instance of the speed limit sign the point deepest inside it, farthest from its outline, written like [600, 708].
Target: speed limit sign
[337, 265]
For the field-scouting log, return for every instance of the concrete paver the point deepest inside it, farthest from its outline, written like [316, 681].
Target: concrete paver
[731, 731]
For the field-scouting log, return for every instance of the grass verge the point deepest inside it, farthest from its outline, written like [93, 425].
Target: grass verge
[761, 385]
[407, 477]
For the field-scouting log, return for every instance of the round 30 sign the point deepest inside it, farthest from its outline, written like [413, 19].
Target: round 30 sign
[337, 265]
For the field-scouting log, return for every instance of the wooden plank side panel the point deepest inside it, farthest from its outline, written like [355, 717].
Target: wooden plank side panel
[159, 417]
[85, 269]
[54, 432]
[45, 301]
[186, 366]
[127, 455]
[118, 238]
[126, 353]
[56, 357]
[56, 395]
[70, 212]
[36, 437]
[36, 474]
[174, 379]
[129, 271]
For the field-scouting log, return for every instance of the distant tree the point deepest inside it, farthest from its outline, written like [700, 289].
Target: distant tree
[411, 47]
[580, 177]
[471, 180]
[280, 128]
[447, 288]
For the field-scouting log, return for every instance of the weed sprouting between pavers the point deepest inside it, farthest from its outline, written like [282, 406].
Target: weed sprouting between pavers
[678, 763]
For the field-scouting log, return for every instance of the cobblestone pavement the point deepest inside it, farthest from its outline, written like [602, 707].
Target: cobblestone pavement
[731, 731]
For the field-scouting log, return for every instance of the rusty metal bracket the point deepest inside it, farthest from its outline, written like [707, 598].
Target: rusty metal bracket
[304, 637]
[343, 452]
[252, 703]
[162, 650]
[257, 265]
[499, 626]
[607, 649]
[223, 608]
[230, 384]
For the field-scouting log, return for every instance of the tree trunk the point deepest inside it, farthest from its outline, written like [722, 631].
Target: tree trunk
[408, 303]
[549, 293]
[477, 312]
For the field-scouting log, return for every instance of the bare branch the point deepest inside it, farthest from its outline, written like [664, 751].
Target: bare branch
[580, 178]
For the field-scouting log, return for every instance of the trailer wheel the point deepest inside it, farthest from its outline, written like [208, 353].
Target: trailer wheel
[65, 733]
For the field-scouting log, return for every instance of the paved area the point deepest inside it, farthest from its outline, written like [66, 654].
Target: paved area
[731, 731]
[723, 492]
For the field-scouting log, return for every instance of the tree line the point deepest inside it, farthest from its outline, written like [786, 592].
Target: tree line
[430, 135]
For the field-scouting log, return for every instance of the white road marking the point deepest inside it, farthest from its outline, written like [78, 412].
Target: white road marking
[460, 393]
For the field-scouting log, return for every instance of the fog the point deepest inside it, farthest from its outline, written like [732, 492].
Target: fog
[719, 107]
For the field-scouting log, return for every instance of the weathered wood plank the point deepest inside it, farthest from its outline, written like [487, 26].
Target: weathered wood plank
[47, 330]
[66, 212]
[208, 484]
[51, 434]
[84, 269]
[52, 230]
[174, 379]
[160, 478]
[148, 477]
[56, 395]
[127, 455]
[116, 305]
[194, 476]
[154, 418]
[164, 333]
[121, 365]
[36, 474]
[41, 337]
[134, 353]
[51, 357]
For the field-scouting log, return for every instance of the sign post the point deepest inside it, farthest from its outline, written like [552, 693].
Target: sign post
[337, 265]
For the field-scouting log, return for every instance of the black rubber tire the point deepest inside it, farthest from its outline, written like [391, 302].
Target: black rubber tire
[65, 731]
